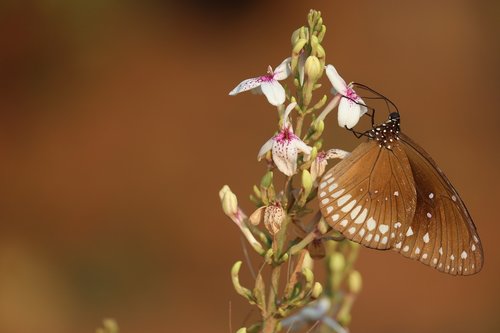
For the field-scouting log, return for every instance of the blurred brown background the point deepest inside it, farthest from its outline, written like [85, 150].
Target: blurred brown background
[116, 133]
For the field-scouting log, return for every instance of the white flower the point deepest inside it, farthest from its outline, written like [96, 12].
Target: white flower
[285, 146]
[268, 84]
[351, 106]
[319, 164]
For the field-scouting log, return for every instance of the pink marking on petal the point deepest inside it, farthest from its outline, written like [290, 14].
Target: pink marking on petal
[285, 135]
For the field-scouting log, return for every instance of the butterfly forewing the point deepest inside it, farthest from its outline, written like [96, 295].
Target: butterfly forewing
[442, 233]
[370, 196]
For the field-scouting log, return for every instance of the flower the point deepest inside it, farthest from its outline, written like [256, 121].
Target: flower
[273, 216]
[351, 106]
[268, 84]
[319, 164]
[285, 146]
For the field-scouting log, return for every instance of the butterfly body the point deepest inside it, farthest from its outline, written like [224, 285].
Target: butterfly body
[390, 194]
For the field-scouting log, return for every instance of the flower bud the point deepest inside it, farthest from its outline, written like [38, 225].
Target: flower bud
[337, 262]
[307, 182]
[313, 68]
[273, 218]
[229, 201]
[295, 36]
[267, 180]
[355, 282]
[317, 290]
[242, 330]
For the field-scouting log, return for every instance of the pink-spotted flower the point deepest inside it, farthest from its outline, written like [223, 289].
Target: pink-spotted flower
[319, 164]
[285, 146]
[268, 84]
[351, 106]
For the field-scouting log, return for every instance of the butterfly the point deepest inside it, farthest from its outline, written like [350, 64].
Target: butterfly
[390, 194]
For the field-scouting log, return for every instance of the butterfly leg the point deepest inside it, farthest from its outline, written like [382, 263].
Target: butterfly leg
[356, 133]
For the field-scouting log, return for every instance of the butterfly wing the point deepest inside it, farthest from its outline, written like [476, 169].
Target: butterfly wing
[370, 196]
[442, 234]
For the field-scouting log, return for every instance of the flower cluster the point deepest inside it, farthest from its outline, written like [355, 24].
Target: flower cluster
[280, 210]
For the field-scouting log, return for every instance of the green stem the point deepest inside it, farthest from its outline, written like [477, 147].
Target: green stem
[270, 321]
[298, 128]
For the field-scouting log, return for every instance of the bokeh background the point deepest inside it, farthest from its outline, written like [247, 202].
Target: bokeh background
[116, 133]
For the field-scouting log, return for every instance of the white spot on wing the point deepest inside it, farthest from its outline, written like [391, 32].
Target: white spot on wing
[426, 238]
[344, 223]
[398, 245]
[384, 240]
[406, 248]
[369, 237]
[429, 215]
[440, 251]
[325, 201]
[454, 198]
[417, 250]
[409, 232]
[335, 217]
[349, 206]
[377, 237]
[355, 211]
[344, 199]
[431, 195]
[371, 224]
[396, 193]
[463, 255]
[424, 256]
[322, 194]
[333, 187]
[473, 247]
[362, 232]
[329, 209]
[397, 225]
[383, 228]
[338, 193]
[352, 230]
[361, 218]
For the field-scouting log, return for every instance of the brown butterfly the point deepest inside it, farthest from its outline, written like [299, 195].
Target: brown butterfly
[390, 194]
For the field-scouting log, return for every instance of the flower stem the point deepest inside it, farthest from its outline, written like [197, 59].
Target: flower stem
[270, 322]
[300, 122]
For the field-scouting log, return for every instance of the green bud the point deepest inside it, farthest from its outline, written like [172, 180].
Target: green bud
[320, 103]
[235, 270]
[323, 226]
[317, 290]
[267, 180]
[322, 33]
[307, 182]
[242, 330]
[256, 190]
[355, 282]
[309, 276]
[314, 152]
[295, 36]
[337, 262]
[319, 126]
[229, 201]
[313, 68]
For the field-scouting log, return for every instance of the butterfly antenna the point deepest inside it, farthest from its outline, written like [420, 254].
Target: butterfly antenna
[378, 94]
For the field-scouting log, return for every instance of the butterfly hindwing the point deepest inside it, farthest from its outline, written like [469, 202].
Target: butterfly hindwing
[442, 234]
[370, 196]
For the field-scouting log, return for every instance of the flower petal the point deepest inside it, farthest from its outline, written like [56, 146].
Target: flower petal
[301, 146]
[274, 92]
[362, 108]
[283, 70]
[349, 113]
[288, 109]
[246, 85]
[285, 157]
[265, 148]
[337, 81]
